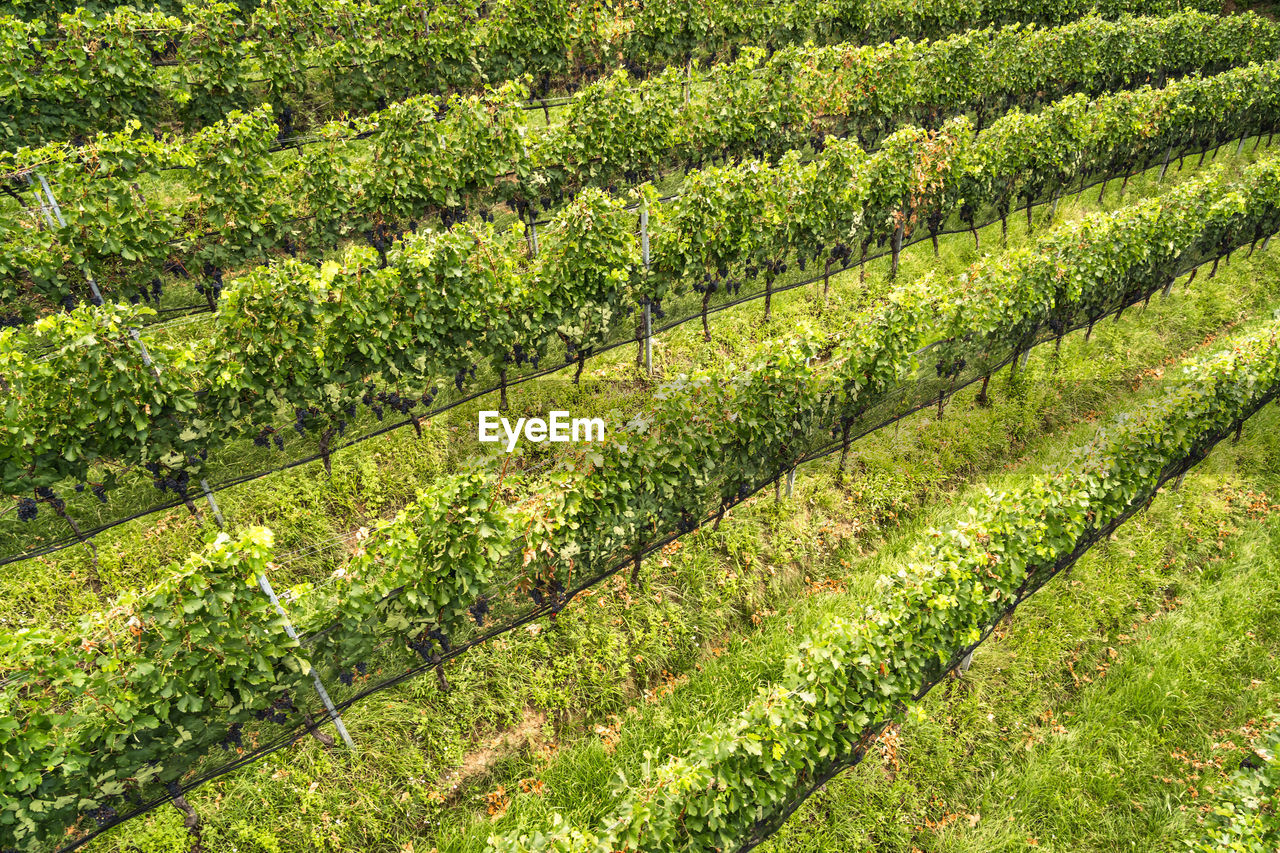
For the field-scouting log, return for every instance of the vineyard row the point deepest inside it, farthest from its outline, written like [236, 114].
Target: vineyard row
[87, 73]
[135, 700]
[313, 345]
[735, 785]
[240, 203]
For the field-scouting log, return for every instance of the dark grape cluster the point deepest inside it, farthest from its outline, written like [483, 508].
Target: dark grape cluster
[100, 492]
[460, 378]
[391, 399]
[686, 522]
[348, 676]
[69, 302]
[103, 815]
[428, 396]
[10, 320]
[479, 610]
[176, 268]
[165, 483]
[743, 491]
[423, 645]
[300, 420]
[234, 737]
[541, 593]
[946, 372]
[376, 238]
[442, 638]
[279, 711]
[842, 254]
[285, 122]
[556, 592]
[212, 288]
[451, 216]
[26, 509]
[517, 356]
[158, 55]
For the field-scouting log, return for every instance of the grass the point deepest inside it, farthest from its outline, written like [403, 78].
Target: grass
[1108, 714]
[313, 516]
[713, 623]
[1182, 552]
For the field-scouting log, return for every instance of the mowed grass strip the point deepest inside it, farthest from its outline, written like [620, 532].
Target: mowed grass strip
[539, 710]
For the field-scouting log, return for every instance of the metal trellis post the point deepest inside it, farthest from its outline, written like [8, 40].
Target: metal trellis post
[57, 211]
[315, 677]
[648, 310]
[217, 513]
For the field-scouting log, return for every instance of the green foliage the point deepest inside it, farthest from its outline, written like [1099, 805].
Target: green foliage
[110, 707]
[86, 71]
[709, 441]
[294, 342]
[91, 399]
[450, 156]
[854, 675]
[1246, 818]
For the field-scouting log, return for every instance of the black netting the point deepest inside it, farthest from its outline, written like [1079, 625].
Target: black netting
[508, 606]
[135, 496]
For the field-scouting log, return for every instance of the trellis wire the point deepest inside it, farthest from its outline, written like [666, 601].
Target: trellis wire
[918, 236]
[927, 400]
[960, 659]
[202, 308]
